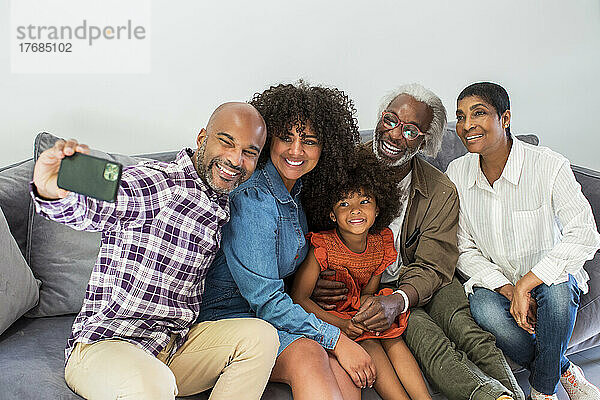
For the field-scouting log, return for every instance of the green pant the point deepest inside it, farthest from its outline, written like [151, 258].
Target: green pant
[455, 354]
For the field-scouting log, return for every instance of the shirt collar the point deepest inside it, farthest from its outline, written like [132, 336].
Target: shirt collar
[514, 164]
[276, 184]
[473, 171]
[511, 171]
[184, 160]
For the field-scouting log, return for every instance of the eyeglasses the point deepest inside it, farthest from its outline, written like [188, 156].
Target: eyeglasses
[390, 120]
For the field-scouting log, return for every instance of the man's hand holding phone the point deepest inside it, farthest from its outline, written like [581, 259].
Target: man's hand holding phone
[45, 173]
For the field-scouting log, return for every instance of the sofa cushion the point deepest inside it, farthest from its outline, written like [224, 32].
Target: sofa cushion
[32, 355]
[18, 287]
[587, 324]
[14, 199]
[64, 274]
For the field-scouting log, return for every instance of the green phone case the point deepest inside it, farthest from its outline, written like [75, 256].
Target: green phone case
[91, 176]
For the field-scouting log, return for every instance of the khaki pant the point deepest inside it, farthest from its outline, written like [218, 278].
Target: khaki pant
[233, 356]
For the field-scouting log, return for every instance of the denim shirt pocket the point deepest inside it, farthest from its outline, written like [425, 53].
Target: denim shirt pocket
[291, 241]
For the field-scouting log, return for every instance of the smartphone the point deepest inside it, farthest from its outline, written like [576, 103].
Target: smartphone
[91, 176]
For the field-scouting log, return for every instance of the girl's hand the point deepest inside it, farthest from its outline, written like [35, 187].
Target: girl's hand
[356, 361]
[351, 330]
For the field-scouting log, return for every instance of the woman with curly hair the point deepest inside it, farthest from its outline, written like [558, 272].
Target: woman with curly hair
[359, 247]
[312, 137]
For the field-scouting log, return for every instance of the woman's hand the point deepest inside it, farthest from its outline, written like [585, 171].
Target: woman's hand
[523, 307]
[356, 361]
[507, 291]
[532, 312]
[351, 330]
[519, 308]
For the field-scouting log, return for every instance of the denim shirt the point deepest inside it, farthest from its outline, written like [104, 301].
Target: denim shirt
[263, 242]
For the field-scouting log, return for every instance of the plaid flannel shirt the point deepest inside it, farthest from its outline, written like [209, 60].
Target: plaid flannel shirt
[158, 240]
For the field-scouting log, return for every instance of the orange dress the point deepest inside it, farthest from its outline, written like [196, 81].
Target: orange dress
[355, 270]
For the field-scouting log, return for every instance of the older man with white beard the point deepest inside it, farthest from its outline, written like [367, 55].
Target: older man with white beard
[455, 354]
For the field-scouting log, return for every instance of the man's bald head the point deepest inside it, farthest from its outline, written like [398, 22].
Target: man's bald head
[229, 146]
[242, 113]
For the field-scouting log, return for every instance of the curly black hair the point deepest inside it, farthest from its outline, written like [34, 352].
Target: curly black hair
[366, 175]
[330, 114]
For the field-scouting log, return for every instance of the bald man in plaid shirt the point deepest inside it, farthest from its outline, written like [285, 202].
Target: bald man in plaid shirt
[135, 336]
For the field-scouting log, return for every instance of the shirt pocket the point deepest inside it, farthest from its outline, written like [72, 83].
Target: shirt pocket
[290, 246]
[533, 230]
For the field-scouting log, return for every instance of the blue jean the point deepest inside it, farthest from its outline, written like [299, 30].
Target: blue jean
[542, 353]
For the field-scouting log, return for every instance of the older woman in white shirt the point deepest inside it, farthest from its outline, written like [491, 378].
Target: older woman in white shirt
[525, 231]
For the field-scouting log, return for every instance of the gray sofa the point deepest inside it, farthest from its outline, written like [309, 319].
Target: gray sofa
[31, 349]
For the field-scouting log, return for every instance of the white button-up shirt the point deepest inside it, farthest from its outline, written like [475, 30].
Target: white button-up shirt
[534, 218]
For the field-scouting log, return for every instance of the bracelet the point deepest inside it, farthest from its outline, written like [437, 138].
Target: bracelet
[405, 297]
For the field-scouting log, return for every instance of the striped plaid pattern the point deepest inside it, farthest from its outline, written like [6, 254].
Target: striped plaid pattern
[158, 240]
[534, 218]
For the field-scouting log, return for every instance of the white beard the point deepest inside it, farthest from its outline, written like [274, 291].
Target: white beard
[406, 157]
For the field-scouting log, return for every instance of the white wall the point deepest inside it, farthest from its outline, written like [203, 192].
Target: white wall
[546, 53]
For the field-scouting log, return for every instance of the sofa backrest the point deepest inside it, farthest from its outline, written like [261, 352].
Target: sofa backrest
[588, 316]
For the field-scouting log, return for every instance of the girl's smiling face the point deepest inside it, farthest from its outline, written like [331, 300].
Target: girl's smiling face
[355, 213]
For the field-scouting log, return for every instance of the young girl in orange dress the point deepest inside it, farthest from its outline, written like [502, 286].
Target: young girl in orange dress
[359, 248]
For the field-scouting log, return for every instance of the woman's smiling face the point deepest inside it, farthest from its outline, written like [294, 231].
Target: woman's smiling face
[295, 154]
[479, 127]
